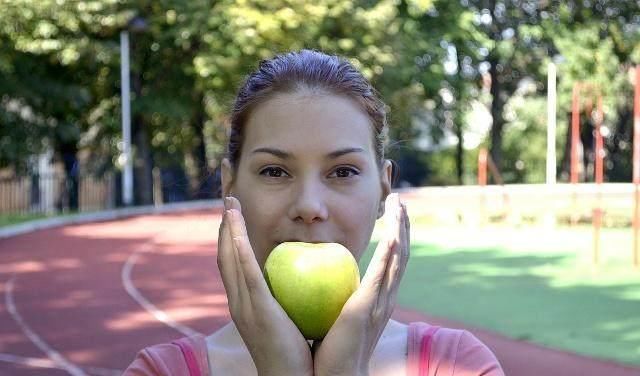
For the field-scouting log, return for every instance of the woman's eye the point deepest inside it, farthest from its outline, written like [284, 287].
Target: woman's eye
[272, 172]
[343, 172]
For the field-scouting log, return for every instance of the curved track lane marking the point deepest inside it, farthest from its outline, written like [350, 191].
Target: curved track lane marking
[145, 303]
[57, 358]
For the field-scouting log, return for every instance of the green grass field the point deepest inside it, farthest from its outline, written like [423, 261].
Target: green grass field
[533, 284]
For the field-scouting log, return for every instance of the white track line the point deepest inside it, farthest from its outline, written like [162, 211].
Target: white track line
[146, 304]
[57, 358]
[48, 363]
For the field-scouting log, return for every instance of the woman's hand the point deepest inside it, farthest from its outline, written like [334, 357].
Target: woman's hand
[276, 345]
[347, 348]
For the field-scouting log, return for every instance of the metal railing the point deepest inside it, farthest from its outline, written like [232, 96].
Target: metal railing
[524, 203]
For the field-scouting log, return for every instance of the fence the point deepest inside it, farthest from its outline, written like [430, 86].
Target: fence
[607, 204]
[55, 193]
[524, 203]
[49, 193]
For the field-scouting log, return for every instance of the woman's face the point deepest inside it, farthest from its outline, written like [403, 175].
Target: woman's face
[308, 173]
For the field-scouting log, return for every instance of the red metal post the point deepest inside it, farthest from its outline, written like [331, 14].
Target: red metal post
[482, 167]
[483, 157]
[636, 168]
[599, 143]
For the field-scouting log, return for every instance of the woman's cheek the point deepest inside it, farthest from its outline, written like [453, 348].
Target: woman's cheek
[358, 235]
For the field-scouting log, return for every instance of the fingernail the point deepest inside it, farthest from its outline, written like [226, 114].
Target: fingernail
[227, 203]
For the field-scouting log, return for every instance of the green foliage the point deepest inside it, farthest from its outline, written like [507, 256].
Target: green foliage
[525, 140]
[430, 59]
[589, 59]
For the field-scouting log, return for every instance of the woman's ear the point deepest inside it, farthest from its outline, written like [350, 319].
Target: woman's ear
[226, 177]
[386, 174]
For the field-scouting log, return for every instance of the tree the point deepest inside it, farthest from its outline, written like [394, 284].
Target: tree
[48, 62]
[592, 43]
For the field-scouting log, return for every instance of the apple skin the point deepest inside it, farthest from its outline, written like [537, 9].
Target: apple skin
[312, 282]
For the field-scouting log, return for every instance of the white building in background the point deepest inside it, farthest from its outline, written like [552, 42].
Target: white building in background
[46, 183]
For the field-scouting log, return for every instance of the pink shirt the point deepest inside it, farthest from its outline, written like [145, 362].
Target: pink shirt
[432, 351]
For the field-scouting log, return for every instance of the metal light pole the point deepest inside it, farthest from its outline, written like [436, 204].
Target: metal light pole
[127, 174]
[137, 24]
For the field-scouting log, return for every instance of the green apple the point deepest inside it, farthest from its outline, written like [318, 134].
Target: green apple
[312, 282]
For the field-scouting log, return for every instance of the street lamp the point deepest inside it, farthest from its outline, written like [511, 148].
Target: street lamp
[135, 25]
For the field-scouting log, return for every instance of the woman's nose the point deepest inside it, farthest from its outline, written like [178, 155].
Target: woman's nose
[309, 203]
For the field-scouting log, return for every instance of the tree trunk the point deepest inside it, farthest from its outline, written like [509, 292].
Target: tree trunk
[143, 164]
[459, 152]
[621, 156]
[497, 106]
[458, 123]
[587, 138]
[204, 186]
[70, 199]
[565, 164]
[143, 160]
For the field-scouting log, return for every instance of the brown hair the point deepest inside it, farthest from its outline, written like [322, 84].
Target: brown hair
[310, 70]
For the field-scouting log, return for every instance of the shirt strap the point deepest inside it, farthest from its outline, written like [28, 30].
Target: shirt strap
[189, 356]
[425, 350]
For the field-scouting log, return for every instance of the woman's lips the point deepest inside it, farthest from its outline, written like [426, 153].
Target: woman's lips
[304, 241]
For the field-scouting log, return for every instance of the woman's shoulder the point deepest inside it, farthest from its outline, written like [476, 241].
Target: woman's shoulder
[172, 358]
[452, 351]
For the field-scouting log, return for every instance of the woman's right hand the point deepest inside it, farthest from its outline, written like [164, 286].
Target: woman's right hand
[276, 345]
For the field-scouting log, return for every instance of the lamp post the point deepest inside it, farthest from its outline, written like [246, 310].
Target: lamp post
[135, 25]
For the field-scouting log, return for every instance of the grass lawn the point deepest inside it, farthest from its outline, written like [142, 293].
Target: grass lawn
[534, 284]
[14, 219]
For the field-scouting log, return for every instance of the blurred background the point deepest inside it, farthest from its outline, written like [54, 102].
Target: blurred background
[459, 76]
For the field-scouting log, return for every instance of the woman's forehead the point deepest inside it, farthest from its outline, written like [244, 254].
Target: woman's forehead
[309, 122]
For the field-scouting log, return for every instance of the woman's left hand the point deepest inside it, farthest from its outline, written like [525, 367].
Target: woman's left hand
[348, 346]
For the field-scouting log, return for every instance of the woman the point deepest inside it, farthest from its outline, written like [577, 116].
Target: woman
[306, 163]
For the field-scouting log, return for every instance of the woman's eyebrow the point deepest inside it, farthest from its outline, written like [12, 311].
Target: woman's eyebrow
[285, 155]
